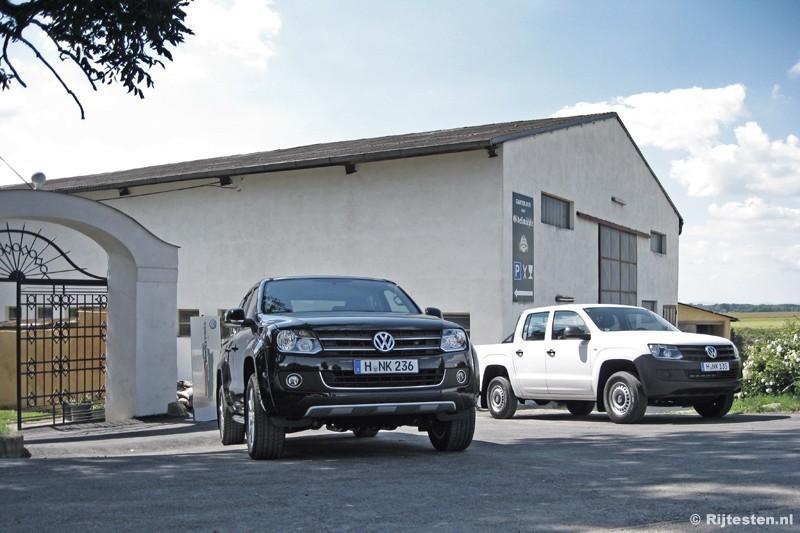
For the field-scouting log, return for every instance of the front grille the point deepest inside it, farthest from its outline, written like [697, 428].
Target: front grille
[346, 379]
[709, 376]
[359, 342]
[698, 353]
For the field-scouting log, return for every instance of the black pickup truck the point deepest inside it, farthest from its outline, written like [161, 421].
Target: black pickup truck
[349, 354]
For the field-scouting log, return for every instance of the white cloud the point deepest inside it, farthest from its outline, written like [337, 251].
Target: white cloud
[794, 71]
[755, 211]
[776, 91]
[753, 163]
[680, 119]
[241, 29]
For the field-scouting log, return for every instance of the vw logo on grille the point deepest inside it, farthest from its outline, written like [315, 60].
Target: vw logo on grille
[711, 352]
[383, 341]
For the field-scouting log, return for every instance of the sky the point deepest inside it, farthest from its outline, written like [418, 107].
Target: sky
[709, 90]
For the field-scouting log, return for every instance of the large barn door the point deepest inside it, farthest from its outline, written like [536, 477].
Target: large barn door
[617, 266]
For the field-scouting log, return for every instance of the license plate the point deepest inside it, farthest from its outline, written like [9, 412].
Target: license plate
[386, 366]
[720, 366]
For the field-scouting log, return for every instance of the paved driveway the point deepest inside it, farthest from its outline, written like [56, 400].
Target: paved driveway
[543, 470]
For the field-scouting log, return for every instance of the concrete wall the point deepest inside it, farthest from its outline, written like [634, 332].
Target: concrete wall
[432, 224]
[586, 165]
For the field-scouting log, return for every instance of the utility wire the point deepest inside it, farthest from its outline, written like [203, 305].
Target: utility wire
[15, 172]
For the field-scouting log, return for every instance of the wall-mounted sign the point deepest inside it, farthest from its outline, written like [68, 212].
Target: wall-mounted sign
[522, 246]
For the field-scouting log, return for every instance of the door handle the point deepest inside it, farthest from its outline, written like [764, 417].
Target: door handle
[551, 352]
[519, 353]
[233, 348]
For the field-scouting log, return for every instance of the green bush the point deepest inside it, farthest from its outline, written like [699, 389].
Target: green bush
[772, 362]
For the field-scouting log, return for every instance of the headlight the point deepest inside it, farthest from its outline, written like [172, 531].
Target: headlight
[665, 351]
[291, 341]
[454, 340]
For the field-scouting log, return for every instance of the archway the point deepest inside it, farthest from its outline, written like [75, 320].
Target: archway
[142, 296]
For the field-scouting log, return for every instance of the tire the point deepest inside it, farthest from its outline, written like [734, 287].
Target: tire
[264, 439]
[230, 431]
[365, 433]
[716, 408]
[453, 435]
[580, 408]
[625, 399]
[500, 398]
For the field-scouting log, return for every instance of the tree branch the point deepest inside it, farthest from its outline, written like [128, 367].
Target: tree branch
[8, 62]
[43, 60]
[64, 52]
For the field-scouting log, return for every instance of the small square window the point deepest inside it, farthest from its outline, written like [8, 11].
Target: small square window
[670, 313]
[11, 312]
[184, 323]
[556, 212]
[650, 305]
[658, 242]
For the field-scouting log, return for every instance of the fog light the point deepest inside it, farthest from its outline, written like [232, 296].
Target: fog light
[294, 380]
[461, 376]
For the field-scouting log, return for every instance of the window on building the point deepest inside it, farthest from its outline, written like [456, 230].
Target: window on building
[184, 325]
[556, 212]
[462, 319]
[11, 312]
[617, 266]
[670, 314]
[44, 313]
[658, 242]
[650, 305]
[535, 326]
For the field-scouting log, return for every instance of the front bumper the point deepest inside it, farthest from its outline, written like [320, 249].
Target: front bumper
[684, 378]
[318, 398]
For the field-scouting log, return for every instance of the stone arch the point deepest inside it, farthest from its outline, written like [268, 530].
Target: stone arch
[142, 296]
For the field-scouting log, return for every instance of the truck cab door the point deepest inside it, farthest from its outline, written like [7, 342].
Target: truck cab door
[528, 354]
[569, 370]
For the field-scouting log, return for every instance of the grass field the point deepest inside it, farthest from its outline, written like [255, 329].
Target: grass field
[782, 403]
[763, 320]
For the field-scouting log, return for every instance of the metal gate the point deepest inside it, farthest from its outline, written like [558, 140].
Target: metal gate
[60, 325]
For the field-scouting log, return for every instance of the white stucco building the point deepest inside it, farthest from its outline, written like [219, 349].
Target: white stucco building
[432, 211]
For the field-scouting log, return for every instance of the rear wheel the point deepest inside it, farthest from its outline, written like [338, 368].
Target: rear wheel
[501, 398]
[580, 408]
[453, 435]
[625, 399]
[716, 407]
[365, 433]
[265, 440]
[230, 431]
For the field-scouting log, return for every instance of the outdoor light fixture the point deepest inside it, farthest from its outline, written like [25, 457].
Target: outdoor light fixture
[618, 200]
[350, 168]
[224, 181]
[124, 191]
[38, 180]
[565, 299]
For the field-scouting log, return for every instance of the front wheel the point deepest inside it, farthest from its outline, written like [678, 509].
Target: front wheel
[716, 407]
[501, 398]
[453, 435]
[580, 408]
[265, 440]
[625, 399]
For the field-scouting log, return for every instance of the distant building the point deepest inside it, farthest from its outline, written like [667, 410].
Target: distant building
[693, 319]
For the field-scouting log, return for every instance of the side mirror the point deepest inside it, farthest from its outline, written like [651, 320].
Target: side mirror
[234, 316]
[433, 311]
[571, 332]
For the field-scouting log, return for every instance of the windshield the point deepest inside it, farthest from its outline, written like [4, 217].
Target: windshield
[321, 295]
[627, 319]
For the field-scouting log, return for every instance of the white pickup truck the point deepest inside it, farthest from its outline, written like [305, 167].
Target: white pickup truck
[619, 358]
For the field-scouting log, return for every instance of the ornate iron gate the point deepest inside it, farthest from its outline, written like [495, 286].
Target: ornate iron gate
[60, 331]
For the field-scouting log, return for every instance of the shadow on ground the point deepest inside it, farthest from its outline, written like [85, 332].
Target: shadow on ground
[334, 482]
